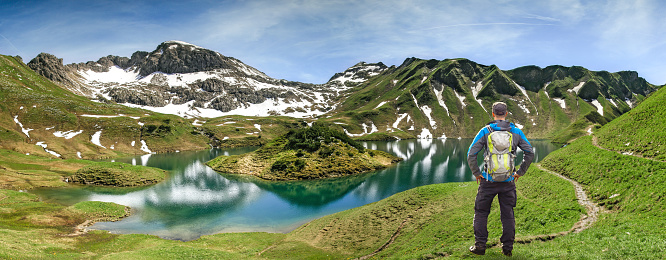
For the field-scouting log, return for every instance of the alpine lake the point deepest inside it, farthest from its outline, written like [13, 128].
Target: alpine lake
[194, 200]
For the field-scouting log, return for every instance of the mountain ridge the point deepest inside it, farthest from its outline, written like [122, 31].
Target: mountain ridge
[446, 98]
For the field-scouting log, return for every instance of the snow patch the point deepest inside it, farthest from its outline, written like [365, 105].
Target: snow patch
[524, 108]
[400, 117]
[381, 104]
[577, 88]
[24, 130]
[257, 126]
[612, 102]
[197, 123]
[425, 134]
[519, 126]
[79, 155]
[475, 91]
[43, 145]
[372, 126]
[461, 98]
[628, 101]
[561, 102]
[95, 139]
[144, 147]
[115, 74]
[428, 112]
[440, 100]
[183, 43]
[600, 108]
[351, 76]
[67, 135]
[133, 143]
[522, 89]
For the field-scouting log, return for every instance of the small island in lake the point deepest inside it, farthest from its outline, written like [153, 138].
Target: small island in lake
[117, 174]
[314, 152]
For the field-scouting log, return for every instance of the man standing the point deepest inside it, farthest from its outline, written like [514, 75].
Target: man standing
[493, 181]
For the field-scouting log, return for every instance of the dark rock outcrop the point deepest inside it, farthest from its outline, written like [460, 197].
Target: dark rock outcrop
[51, 67]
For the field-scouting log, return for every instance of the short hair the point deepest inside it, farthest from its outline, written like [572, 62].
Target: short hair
[499, 108]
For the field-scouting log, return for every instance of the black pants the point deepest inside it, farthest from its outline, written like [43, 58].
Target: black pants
[506, 193]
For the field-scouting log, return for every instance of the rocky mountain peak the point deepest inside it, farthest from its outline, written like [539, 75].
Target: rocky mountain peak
[180, 57]
[51, 67]
[360, 72]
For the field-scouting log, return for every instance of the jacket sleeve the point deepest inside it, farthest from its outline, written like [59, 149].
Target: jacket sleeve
[477, 145]
[528, 153]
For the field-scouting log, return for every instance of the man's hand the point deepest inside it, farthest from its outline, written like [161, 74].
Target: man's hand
[515, 177]
[478, 178]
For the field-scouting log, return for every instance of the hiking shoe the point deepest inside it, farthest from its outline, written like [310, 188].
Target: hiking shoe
[477, 250]
[506, 252]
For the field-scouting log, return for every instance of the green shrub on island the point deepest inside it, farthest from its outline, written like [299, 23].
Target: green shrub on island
[310, 153]
[311, 138]
[118, 174]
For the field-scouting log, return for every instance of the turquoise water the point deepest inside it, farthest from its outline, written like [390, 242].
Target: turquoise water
[195, 200]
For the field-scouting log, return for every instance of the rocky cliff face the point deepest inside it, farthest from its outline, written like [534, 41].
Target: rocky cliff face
[52, 68]
[169, 58]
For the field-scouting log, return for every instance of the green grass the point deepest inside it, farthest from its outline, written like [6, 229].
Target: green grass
[641, 131]
[572, 132]
[24, 172]
[100, 210]
[632, 188]
[438, 221]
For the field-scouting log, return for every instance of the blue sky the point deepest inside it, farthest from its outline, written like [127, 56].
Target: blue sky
[309, 41]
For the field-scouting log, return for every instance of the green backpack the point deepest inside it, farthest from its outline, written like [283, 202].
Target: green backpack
[498, 157]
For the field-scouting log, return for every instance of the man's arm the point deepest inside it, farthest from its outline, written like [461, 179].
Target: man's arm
[477, 145]
[528, 153]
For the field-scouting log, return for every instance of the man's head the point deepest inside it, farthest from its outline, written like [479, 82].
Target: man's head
[499, 110]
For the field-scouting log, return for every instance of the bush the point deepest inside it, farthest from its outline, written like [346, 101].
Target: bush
[311, 138]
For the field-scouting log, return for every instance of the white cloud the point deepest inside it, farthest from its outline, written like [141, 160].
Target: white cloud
[634, 28]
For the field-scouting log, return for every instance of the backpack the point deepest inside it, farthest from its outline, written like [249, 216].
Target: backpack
[499, 157]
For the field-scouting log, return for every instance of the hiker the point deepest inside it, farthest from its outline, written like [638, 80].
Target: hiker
[499, 140]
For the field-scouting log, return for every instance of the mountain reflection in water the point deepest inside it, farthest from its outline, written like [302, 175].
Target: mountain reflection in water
[195, 200]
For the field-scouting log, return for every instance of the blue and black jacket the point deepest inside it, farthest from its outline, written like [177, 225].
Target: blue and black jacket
[480, 143]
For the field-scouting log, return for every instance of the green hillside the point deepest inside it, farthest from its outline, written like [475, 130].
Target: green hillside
[46, 111]
[453, 98]
[640, 131]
